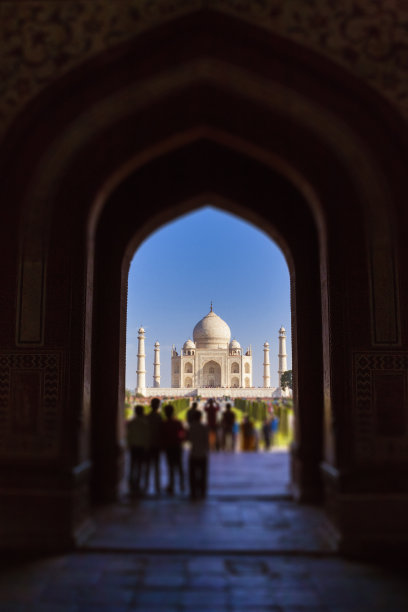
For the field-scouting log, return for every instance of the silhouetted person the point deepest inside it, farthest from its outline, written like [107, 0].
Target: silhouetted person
[227, 424]
[212, 409]
[274, 428]
[137, 435]
[267, 433]
[235, 433]
[247, 434]
[191, 413]
[198, 459]
[155, 433]
[173, 436]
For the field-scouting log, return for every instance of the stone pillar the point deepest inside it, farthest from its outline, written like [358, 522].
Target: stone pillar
[267, 367]
[141, 364]
[156, 365]
[282, 357]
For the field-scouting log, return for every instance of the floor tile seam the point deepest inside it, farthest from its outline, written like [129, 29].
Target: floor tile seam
[194, 552]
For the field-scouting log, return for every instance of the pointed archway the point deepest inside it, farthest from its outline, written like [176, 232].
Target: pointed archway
[278, 136]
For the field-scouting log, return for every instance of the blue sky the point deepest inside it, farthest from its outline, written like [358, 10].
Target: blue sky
[203, 256]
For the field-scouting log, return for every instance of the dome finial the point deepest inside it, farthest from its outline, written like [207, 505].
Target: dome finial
[211, 307]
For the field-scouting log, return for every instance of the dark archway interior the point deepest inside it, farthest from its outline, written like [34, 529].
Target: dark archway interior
[204, 167]
[203, 104]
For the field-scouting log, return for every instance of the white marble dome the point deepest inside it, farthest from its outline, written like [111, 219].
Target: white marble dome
[189, 344]
[234, 344]
[212, 332]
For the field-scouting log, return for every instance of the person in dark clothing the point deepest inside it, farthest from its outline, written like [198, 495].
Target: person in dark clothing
[227, 424]
[266, 433]
[248, 434]
[198, 459]
[136, 434]
[191, 412]
[173, 436]
[212, 409]
[155, 425]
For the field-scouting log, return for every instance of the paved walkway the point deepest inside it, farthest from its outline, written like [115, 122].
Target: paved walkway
[258, 553]
[261, 474]
[187, 583]
[248, 509]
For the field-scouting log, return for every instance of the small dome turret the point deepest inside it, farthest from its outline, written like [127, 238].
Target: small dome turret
[234, 344]
[189, 344]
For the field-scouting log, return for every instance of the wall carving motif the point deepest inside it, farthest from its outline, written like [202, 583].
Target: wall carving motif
[30, 404]
[43, 39]
[380, 418]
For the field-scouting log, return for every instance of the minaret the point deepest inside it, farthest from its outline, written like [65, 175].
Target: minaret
[283, 366]
[267, 367]
[141, 364]
[156, 365]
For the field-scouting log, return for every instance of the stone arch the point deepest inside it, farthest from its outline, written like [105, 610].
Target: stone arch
[66, 205]
[188, 367]
[235, 382]
[247, 382]
[211, 374]
[188, 382]
[247, 368]
[235, 367]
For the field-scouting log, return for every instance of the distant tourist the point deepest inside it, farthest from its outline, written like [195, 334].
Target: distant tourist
[248, 442]
[274, 428]
[211, 410]
[227, 425]
[155, 433]
[198, 459]
[235, 433]
[136, 430]
[267, 433]
[191, 412]
[173, 437]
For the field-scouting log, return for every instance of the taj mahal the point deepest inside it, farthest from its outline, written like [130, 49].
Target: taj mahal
[211, 364]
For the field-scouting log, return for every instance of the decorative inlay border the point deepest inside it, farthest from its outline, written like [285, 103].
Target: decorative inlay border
[380, 406]
[44, 39]
[30, 404]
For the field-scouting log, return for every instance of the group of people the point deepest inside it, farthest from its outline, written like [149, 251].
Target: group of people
[148, 436]
[224, 429]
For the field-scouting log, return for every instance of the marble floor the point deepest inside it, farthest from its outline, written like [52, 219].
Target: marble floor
[247, 547]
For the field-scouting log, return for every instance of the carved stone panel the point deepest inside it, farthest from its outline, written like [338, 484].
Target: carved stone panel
[380, 407]
[30, 404]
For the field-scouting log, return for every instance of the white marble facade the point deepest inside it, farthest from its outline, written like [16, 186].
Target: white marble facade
[211, 361]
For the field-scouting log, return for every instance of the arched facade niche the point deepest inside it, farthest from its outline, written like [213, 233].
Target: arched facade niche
[211, 376]
[235, 368]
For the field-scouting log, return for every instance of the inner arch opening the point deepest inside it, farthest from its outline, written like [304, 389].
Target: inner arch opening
[210, 266]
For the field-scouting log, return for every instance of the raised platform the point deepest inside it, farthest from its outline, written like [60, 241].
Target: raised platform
[255, 392]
